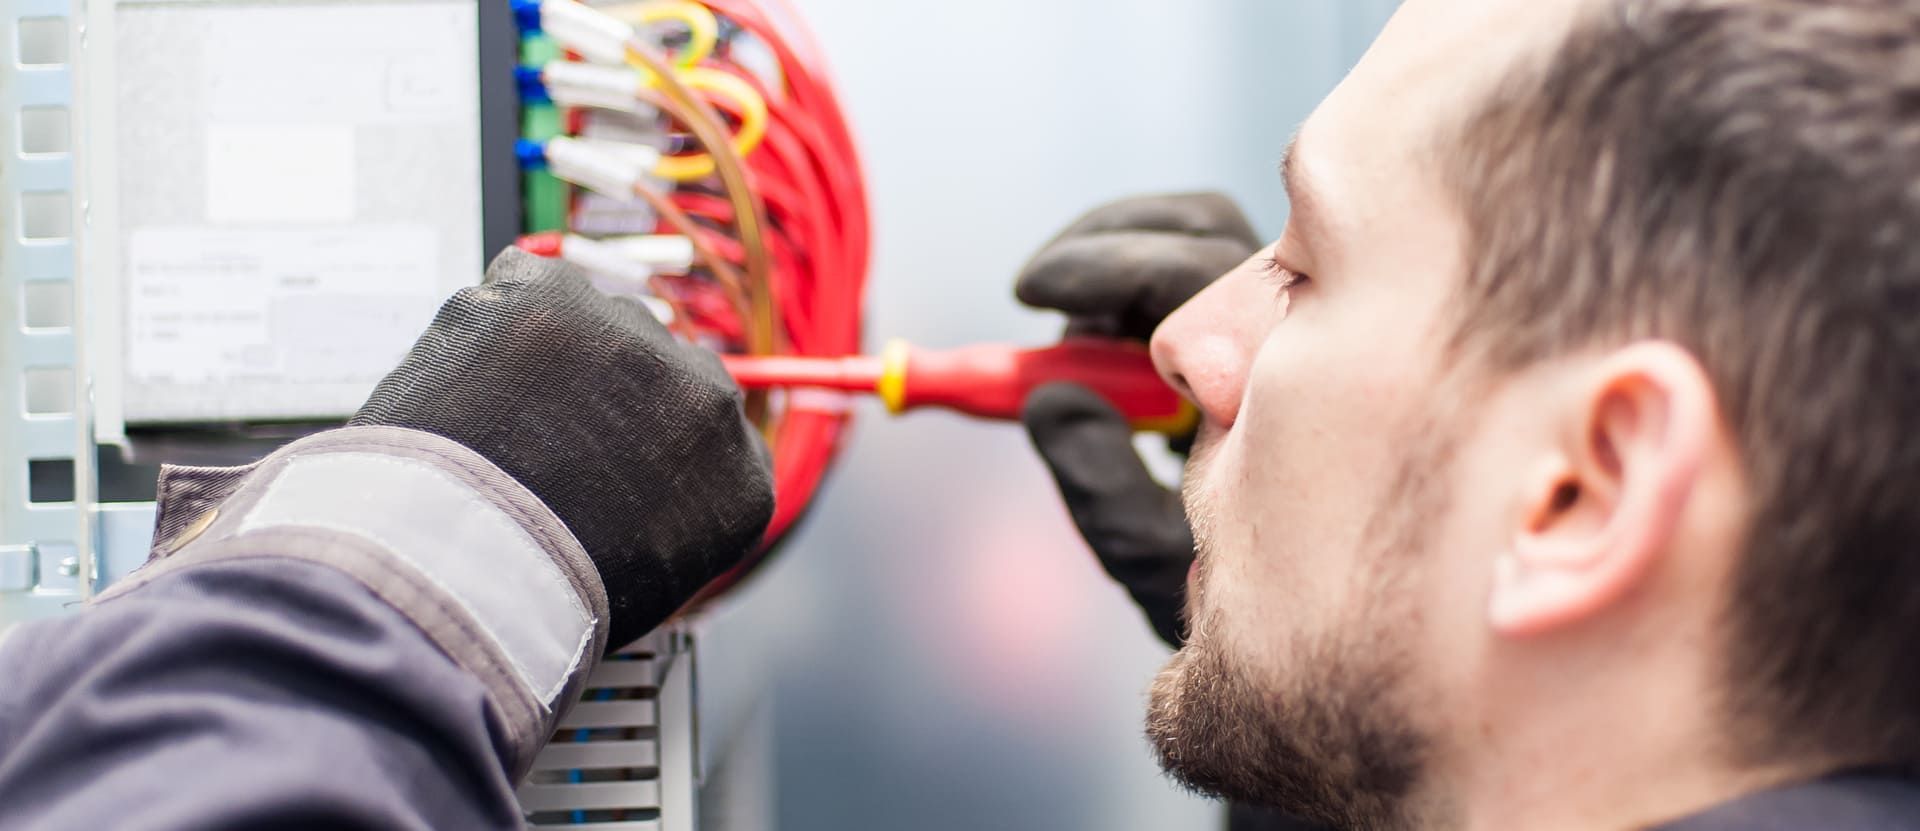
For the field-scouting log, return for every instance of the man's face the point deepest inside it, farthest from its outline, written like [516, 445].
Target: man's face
[1340, 490]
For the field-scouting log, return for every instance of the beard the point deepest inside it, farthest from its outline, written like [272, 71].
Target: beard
[1334, 736]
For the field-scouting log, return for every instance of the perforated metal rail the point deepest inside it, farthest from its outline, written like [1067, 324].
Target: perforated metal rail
[622, 759]
[45, 559]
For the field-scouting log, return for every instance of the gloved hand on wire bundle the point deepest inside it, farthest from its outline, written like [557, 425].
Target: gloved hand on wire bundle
[414, 600]
[635, 439]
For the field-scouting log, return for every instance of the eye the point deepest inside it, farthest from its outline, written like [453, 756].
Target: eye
[1283, 279]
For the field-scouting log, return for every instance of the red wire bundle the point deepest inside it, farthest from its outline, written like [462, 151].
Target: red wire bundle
[807, 172]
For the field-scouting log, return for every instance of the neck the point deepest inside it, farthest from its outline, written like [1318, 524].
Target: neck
[1599, 750]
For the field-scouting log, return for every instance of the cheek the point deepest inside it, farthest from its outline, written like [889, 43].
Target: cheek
[1304, 468]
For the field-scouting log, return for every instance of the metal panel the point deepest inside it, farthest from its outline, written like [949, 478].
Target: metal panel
[126, 534]
[31, 183]
[680, 771]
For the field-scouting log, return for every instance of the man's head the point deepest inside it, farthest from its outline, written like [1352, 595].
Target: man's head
[1581, 431]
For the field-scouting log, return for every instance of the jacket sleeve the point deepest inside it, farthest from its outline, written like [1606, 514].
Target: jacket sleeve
[372, 628]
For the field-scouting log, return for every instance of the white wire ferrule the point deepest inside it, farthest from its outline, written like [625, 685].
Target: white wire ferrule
[596, 35]
[575, 84]
[597, 256]
[606, 168]
[634, 258]
[664, 253]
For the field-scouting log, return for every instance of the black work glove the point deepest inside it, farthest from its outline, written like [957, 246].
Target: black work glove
[1118, 271]
[634, 439]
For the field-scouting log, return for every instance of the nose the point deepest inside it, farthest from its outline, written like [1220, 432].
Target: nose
[1206, 347]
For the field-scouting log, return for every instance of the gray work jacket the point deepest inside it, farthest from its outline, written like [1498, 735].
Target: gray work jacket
[371, 628]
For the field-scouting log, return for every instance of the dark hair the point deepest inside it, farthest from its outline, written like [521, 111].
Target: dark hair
[1741, 177]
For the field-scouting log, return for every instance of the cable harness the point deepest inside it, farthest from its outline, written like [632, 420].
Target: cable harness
[708, 171]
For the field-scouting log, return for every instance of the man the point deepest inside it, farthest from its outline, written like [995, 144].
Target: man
[1554, 474]
[1556, 469]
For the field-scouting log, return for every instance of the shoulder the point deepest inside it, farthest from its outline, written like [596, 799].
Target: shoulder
[1848, 802]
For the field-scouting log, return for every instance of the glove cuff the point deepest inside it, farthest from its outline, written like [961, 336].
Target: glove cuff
[469, 555]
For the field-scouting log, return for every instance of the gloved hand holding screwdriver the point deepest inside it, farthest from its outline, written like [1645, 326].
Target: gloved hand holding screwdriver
[1117, 272]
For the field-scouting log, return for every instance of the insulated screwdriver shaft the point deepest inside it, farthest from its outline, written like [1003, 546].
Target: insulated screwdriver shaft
[984, 380]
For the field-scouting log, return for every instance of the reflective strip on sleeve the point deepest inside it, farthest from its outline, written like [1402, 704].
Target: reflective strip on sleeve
[476, 554]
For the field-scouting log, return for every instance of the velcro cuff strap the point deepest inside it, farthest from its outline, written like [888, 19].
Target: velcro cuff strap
[462, 544]
[469, 555]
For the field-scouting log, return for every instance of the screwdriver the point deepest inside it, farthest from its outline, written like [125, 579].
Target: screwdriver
[984, 380]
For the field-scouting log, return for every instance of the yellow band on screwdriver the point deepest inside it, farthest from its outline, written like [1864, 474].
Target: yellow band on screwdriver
[1178, 424]
[893, 375]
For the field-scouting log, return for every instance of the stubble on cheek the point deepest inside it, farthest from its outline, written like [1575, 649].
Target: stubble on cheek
[1315, 714]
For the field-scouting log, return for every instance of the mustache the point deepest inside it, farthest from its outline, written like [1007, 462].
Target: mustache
[1199, 504]
[1206, 444]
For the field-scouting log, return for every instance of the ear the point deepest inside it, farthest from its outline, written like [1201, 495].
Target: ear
[1604, 509]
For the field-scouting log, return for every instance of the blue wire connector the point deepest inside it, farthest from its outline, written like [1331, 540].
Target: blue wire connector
[526, 13]
[532, 154]
[532, 89]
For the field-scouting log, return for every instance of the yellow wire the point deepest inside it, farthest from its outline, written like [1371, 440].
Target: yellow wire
[702, 29]
[753, 122]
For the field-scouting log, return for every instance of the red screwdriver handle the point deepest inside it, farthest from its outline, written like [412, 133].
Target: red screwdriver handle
[994, 380]
[985, 380]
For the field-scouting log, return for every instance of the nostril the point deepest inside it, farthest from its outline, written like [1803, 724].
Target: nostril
[1166, 361]
[1178, 380]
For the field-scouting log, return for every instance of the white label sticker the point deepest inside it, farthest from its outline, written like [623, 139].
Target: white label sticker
[303, 305]
[276, 173]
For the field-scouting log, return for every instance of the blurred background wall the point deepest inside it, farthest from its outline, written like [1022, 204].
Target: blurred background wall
[944, 651]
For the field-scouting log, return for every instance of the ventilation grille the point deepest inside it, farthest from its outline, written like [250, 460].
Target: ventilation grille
[602, 769]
